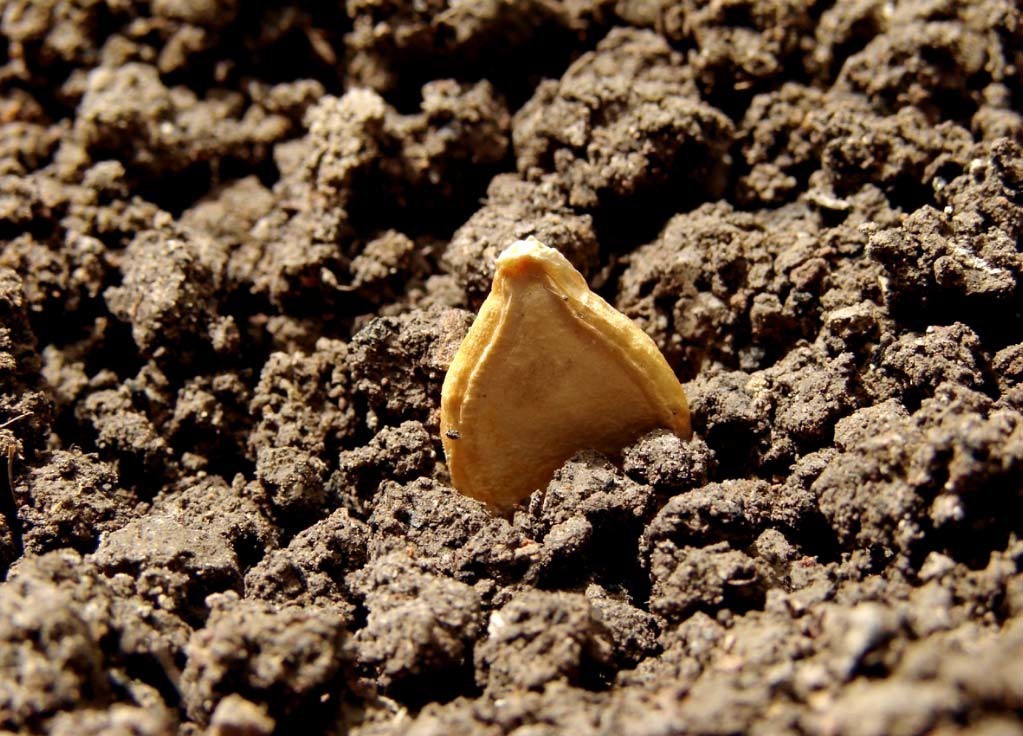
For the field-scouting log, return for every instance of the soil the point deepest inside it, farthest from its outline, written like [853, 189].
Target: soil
[241, 242]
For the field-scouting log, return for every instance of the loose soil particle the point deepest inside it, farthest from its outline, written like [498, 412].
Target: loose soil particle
[239, 246]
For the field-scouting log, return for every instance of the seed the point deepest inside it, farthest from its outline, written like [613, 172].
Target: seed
[548, 369]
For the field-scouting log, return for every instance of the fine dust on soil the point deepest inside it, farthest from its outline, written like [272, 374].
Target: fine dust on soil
[242, 240]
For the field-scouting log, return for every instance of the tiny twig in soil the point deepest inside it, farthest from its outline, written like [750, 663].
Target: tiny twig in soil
[9, 500]
[12, 420]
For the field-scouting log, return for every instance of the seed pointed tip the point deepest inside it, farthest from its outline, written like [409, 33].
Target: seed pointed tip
[528, 248]
[522, 255]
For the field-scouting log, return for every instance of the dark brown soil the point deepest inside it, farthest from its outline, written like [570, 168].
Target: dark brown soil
[241, 242]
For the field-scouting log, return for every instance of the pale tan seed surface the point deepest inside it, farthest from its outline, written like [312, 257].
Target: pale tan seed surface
[547, 369]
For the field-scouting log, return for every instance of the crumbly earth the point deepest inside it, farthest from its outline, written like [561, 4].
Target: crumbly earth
[241, 241]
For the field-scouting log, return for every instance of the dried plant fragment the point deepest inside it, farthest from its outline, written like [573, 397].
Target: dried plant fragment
[547, 369]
